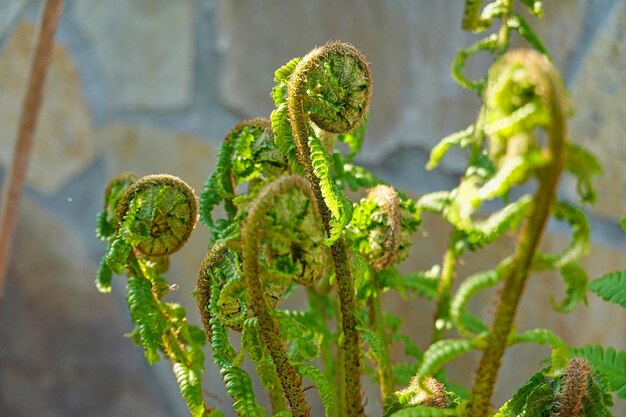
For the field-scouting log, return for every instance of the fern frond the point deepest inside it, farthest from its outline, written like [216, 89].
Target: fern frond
[515, 407]
[460, 139]
[607, 361]
[441, 352]
[323, 386]
[422, 411]
[611, 287]
[500, 222]
[147, 316]
[584, 165]
[217, 186]
[435, 202]
[469, 288]
[104, 275]
[339, 206]
[190, 389]
[560, 352]
[117, 255]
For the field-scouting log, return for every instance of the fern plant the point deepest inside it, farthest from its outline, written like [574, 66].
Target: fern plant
[288, 223]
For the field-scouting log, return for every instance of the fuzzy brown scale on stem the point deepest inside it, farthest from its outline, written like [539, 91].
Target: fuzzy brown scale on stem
[549, 88]
[570, 399]
[203, 285]
[387, 198]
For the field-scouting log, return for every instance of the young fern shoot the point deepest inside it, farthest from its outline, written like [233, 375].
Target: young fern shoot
[520, 80]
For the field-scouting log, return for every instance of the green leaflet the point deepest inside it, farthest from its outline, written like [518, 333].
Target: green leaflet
[117, 254]
[622, 223]
[323, 387]
[190, 389]
[442, 352]
[423, 283]
[460, 139]
[469, 288]
[299, 329]
[560, 353]
[435, 202]
[147, 316]
[217, 186]
[104, 275]
[339, 206]
[354, 140]
[484, 232]
[281, 126]
[237, 382]
[584, 165]
[516, 405]
[607, 361]
[421, 411]
[611, 287]
[372, 340]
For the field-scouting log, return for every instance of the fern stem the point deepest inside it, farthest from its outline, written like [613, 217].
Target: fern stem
[377, 320]
[505, 30]
[530, 236]
[27, 128]
[339, 249]
[444, 289]
[291, 380]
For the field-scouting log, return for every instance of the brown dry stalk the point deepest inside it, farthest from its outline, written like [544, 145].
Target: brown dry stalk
[27, 127]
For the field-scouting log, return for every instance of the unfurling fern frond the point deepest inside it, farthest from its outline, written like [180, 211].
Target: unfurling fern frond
[423, 397]
[460, 139]
[441, 352]
[469, 288]
[607, 361]
[560, 353]
[611, 287]
[338, 204]
[248, 153]
[584, 165]
[576, 391]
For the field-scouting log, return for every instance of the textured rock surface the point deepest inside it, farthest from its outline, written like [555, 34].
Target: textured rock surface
[146, 150]
[415, 102]
[63, 142]
[144, 49]
[599, 122]
[10, 10]
[62, 347]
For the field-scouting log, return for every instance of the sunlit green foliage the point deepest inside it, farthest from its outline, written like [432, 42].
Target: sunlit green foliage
[300, 216]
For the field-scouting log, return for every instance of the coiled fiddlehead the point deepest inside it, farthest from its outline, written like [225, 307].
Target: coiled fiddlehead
[379, 240]
[252, 235]
[220, 265]
[524, 77]
[248, 153]
[156, 215]
[145, 220]
[331, 86]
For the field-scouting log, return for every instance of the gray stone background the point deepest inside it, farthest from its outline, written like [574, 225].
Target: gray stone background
[153, 86]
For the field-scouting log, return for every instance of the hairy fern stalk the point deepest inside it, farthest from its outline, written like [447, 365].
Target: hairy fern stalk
[288, 222]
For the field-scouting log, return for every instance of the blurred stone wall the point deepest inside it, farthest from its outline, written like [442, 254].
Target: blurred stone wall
[153, 86]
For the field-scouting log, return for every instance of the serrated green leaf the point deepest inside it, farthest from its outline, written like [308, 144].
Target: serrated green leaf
[611, 287]
[441, 352]
[323, 386]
